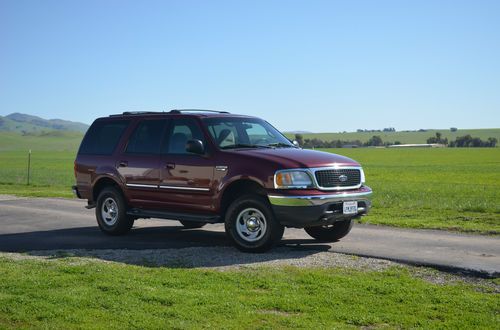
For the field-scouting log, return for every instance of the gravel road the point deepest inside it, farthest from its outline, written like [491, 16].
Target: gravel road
[51, 226]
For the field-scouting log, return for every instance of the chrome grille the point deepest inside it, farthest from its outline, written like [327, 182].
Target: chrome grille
[331, 178]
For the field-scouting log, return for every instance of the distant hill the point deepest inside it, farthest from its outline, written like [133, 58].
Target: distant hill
[28, 124]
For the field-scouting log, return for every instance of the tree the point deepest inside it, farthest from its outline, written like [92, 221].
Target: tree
[437, 139]
[476, 142]
[375, 141]
[453, 129]
[492, 142]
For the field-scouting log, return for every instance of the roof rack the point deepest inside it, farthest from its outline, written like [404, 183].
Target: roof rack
[195, 110]
[138, 113]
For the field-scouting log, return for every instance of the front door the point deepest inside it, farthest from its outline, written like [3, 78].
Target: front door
[186, 178]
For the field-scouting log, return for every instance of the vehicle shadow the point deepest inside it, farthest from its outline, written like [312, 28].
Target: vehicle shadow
[163, 246]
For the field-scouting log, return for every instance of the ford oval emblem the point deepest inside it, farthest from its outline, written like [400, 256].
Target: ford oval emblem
[343, 178]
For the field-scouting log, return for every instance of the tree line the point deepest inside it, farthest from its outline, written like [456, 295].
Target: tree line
[374, 141]
[466, 141]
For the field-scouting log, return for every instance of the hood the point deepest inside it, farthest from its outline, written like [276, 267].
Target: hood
[298, 158]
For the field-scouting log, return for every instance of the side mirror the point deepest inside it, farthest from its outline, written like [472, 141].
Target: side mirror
[195, 147]
[295, 143]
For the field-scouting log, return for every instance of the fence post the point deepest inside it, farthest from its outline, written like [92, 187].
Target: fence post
[29, 166]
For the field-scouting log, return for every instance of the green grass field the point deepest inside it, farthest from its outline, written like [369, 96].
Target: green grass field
[76, 293]
[454, 189]
[52, 141]
[51, 163]
[403, 137]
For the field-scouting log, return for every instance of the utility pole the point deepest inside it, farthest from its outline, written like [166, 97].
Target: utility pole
[29, 166]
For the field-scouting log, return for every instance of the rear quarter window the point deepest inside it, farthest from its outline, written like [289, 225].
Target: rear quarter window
[102, 137]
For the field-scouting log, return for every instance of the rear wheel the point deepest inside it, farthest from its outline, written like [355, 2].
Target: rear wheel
[251, 225]
[331, 233]
[192, 224]
[111, 212]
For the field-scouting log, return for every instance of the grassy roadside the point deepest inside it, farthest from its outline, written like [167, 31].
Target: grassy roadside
[35, 190]
[40, 294]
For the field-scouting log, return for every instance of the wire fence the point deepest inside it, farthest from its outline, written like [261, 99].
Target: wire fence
[45, 168]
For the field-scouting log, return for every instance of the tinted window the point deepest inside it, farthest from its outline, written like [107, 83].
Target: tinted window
[102, 137]
[181, 131]
[146, 138]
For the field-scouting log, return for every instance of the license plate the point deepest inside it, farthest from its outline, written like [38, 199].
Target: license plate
[350, 207]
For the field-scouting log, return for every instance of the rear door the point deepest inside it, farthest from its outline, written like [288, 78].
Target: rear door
[186, 178]
[139, 163]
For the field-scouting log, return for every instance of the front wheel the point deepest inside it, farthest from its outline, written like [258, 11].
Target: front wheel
[330, 233]
[251, 225]
[111, 212]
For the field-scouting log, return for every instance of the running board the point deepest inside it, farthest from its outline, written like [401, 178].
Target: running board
[140, 213]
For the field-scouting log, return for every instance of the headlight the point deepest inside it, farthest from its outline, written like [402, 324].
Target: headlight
[363, 180]
[291, 179]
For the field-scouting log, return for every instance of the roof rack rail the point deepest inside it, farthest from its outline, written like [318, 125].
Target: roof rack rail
[128, 113]
[195, 110]
[132, 113]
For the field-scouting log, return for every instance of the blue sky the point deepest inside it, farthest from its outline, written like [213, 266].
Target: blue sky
[322, 66]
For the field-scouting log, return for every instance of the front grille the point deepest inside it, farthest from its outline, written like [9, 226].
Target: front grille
[331, 178]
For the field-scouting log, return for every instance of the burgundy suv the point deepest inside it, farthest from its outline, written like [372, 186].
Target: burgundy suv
[200, 166]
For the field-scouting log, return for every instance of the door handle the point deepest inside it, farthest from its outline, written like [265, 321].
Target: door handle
[122, 163]
[170, 166]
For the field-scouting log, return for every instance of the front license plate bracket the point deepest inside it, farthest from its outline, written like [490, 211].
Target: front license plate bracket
[350, 207]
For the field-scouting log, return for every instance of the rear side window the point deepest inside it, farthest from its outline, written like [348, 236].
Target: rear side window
[147, 137]
[102, 137]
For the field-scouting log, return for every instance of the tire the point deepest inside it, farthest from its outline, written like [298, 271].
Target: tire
[111, 212]
[192, 224]
[331, 233]
[260, 231]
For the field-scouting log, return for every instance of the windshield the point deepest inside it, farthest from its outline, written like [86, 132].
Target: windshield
[231, 133]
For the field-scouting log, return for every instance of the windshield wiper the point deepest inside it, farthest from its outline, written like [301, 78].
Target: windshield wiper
[245, 145]
[281, 145]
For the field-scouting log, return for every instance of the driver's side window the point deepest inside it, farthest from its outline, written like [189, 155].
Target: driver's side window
[224, 134]
[180, 132]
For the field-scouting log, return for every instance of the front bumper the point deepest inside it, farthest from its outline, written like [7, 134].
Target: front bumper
[318, 209]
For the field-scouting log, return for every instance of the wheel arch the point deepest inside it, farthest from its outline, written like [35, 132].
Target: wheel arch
[238, 188]
[101, 183]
